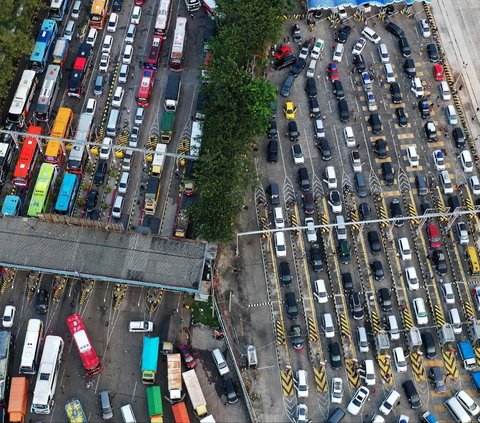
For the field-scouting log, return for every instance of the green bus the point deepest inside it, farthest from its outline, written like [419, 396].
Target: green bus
[43, 189]
[155, 406]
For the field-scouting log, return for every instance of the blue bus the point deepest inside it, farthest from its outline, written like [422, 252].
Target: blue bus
[68, 193]
[44, 45]
[11, 205]
[57, 10]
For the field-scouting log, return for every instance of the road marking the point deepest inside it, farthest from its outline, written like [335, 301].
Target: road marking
[320, 379]
[417, 366]
[352, 375]
[385, 365]
[287, 383]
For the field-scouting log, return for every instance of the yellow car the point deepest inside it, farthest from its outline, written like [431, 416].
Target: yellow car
[289, 110]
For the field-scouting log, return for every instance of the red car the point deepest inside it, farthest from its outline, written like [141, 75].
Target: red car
[282, 52]
[438, 73]
[433, 236]
[333, 71]
[190, 362]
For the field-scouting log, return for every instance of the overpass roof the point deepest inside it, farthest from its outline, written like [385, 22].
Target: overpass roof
[126, 257]
[328, 4]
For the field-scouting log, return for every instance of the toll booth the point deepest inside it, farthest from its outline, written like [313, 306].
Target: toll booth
[414, 339]
[382, 342]
[446, 335]
[475, 333]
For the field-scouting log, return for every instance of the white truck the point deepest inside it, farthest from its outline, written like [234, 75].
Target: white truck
[174, 375]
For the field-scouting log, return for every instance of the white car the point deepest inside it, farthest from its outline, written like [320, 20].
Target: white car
[412, 156]
[356, 161]
[280, 245]
[335, 201]
[411, 278]
[338, 53]
[91, 37]
[311, 231]
[316, 50]
[474, 184]
[107, 44]
[358, 399]
[320, 292]
[417, 87]
[371, 102]
[91, 106]
[139, 115]
[359, 46]
[302, 413]
[8, 316]
[298, 157]
[425, 28]
[118, 97]
[112, 22]
[133, 141]
[466, 160]
[438, 160]
[448, 294]
[349, 136]
[342, 13]
[404, 249]
[136, 15]
[104, 62]
[127, 54]
[389, 73]
[301, 384]
[336, 393]
[420, 311]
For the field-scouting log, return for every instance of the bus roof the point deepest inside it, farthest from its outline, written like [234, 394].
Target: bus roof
[23, 88]
[10, 205]
[196, 139]
[5, 336]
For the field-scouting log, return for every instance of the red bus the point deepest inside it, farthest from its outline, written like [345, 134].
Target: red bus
[179, 37]
[154, 56]
[87, 353]
[26, 160]
[146, 87]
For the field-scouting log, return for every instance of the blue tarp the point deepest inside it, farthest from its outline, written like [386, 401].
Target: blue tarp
[328, 4]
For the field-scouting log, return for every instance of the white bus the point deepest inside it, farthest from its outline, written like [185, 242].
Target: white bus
[23, 98]
[163, 17]
[78, 154]
[48, 93]
[178, 45]
[47, 377]
[5, 344]
[31, 347]
[196, 139]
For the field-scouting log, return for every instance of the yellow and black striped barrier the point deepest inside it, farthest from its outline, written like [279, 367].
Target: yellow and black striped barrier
[264, 227]
[439, 318]
[294, 220]
[287, 383]
[417, 366]
[469, 310]
[312, 330]
[383, 215]
[354, 218]
[344, 326]
[441, 207]
[385, 366]
[280, 333]
[407, 319]
[470, 207]
[412, 211]
[477, 355]
[352, 375]
[450, 364]
[375, 322]
[320, 379]
[325, 221]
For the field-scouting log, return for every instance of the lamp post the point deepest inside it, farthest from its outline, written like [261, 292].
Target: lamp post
[464, 66]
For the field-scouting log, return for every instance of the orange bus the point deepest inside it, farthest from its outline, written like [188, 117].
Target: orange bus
[62, 128]
[98, 13]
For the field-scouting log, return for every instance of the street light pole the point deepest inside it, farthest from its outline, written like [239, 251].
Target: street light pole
[464, 66]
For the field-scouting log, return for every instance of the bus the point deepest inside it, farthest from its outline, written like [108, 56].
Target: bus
[23, 98]
[146, 87]
[47, 377]
[44, 45]
[196, 139]
[7, 149]
[31, 347]
[154, 55]
[5, 344]
[43, 189]
[57, 10]
[62, 128]
[28, 155]
[179, 38]
[81, 68]
[78, 154]
[48, 93]
[11, 205]
[67, 195]
[89, 357]
[163, 17]
[98, 13]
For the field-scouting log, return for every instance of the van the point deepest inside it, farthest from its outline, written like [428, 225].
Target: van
[320, 292]
[344, 251]
[389, 73]
[130, 35]
[446, 182]
[105, 405]
[349, 136]
[420, 311]
[390, 402]
[393, 328]
[230, 391]
[328, 326]
[472, 260]
[337, 416]
[280, 245]
[274, 194]
[106, 148]
[383, 53]
[301, 384]
[360, 185]
[98, 86]
[91, 106]
[77, 7]
[113, 118]
[272, 151]
[399, 360]
[362, 340]
[457, 411]
[368, 373]
[451, 115]
[123, 74]
[404, 249]
[311, 87]
[421, 183]
[278, 218]
[412, 394]
[140, 326]
[394, 29]
[338, 53]
[455, 320]
[127, 414]
[123, 184]
[291, 305]
[371, 35]
[318, 128]
[127, 54]
[303, 179]
[376, 123]
[340, 229]
[444, 91]
[117, 207]
[69, 30]
[409, 68]
[220, 362]
[311, 68]
[404, 47]
[330, 177]
[91, 37]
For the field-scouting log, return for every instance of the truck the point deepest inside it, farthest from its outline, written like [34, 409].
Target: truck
[475, 376]
[172, 93]
[192, 5]
[17, 403]
[60, 51]
[467, 355]
[152, 194]
[166, 126]
[150, 359]
[181, 224]
[195, 393]
[155, 406]
[174, 374]
[74, 411]
[180, 413]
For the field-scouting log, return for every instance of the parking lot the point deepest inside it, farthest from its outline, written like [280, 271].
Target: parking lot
[406, 273]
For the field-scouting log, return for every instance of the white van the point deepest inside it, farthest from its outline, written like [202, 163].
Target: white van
[393, 328]
[328, 326]
[457, 411]
[127, 54]
[330, 177]
[278, 218]
[404, 249]
[140, 326]
[368, 373]
[123, 184]
[467, 402]
[420, 311]
[280, 245]
[389, 73]
[349, 136]
[390, 403]
[117, 207]
[220, 362]
[362, 340]
[446, 182]
[371, 35]
[77, 7]
[91, 37]
[320, 293]
[69, 30]
[383, 53]
[451, 115]
[130, 35]
[127, 414]
[106, 148]
[399, 359]
[112, 122]
[341, 229]
[123, 74]
[444, 90]
[455, 321]
[107, 44]
[338, 52]
[311, 68]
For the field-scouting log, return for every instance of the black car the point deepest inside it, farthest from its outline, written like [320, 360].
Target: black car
[347, 282]
[100, 172]
[272, 131]
[293, 133]
[428, 343]
[316, 258]
[343, 111]
[308, 203]
[387, 173]
[424, 207]
[92, 200]
[364, 211]
[396, 212]
[324, 147]
[409, 68]
[359, 63]
[424, 107]
[376, 123]
[377, 270]
[296, 33]
[356, 306]
[314, 107]
[311, 87]
[374, 242]
[394, 29]
[230, 390]
[338, 90]
[297, 67]
[404, 47]
[41, 303]
[458, 137]
[272, 151]
[380, 148]
[432, 52]
[343, 34]
[335, 355]
[396, 93]
[284, 273]
[402, 117]
[440, 262]
[295, 335]
[385, 299]
[117, 6]
[284, 62]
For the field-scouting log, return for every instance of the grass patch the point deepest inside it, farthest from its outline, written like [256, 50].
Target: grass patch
[202, 313]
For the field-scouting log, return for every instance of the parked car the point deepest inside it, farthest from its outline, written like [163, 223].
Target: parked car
[190, 362]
